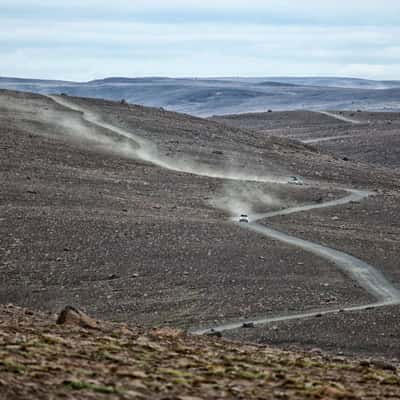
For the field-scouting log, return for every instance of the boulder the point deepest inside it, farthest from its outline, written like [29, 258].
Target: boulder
[72, 316]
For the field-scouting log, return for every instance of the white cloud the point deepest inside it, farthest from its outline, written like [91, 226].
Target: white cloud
[75, 48]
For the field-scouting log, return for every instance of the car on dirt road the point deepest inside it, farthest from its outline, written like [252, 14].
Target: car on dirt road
[244, 218]
[295, 180]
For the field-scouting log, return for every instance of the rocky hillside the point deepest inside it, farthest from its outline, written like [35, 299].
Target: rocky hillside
[80, 358]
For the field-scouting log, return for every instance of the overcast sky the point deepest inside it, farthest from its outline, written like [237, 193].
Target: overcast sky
[88, 39]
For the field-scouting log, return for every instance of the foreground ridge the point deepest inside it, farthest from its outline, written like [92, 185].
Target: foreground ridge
[42, 359]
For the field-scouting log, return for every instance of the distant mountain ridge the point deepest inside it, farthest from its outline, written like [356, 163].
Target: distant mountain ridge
[210, 96]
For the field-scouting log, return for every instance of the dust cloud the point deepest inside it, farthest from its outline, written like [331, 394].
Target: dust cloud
[242, 192]
[147, 151]
[244, 198]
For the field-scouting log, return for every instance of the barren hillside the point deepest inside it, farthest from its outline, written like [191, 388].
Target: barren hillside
[86, 221]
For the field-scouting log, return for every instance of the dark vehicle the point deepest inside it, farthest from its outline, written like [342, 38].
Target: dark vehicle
[294, 180]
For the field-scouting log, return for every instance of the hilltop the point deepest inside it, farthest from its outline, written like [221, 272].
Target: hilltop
[209, 96]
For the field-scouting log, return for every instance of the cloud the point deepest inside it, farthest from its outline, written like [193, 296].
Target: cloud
[285, 11]
[84, 40]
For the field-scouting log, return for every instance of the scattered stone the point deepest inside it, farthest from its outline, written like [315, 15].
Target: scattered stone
[72, 316]
[166, 332]
[331, 392]
[384, 365]
[338, 359]
[316, 350]
[365, 363]
[215, 333]
[113, 276]
[219, 152]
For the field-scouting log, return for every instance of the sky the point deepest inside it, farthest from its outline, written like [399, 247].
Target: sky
[88, 39]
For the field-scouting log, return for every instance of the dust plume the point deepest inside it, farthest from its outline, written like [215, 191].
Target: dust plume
[136, 147]
[245, 198]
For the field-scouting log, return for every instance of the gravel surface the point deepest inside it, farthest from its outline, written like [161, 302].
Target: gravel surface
[84, 222]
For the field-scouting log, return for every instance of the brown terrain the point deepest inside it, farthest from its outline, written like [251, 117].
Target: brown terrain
[87, 359]
[86, 222]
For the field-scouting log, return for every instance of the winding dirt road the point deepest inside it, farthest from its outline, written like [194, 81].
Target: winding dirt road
[328, 138]
[366, 275]
[340, 117]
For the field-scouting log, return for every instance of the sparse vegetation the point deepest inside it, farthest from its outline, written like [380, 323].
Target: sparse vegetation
[44, 360]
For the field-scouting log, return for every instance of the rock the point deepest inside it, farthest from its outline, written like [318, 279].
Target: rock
[365, 363]
[219, 152]
[338, 359]
[113, 276]
[72, 316]
[212, 332]
[316, 350]
[332, 392]
[166, 332]
[248, 325]
[384, 365]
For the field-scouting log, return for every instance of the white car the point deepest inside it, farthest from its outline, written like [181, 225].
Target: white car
[294, 180]
[244, 218]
